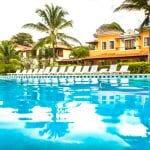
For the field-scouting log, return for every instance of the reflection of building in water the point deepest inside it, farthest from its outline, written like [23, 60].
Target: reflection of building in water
[113, 97]
[123, 91]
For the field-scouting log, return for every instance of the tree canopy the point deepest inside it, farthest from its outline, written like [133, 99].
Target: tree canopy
[111, 26]
[80, 52]
[134, 5]
[9, 59]
[52, 23]
[24, 39]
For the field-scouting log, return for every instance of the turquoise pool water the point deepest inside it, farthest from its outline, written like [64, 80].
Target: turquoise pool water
[68, 114]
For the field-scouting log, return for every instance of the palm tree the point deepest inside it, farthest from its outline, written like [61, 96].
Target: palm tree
[9, 57]
[53, 21]
[111, 26]
[136, 5]
[8, 52]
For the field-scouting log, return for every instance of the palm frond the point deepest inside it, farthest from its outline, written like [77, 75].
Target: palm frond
[63, 36]
[133, 5]
[39, 27]
[42, 42]
[43, 14]
[145, 23]
[66, 24]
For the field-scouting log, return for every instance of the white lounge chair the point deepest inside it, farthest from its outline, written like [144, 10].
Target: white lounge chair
[69, 70]
[85, 69]
[93, 69]
[46, 70]
[23, 72]
[54, 70]
[62, 70]
[29, 72]
[40, 72]
[123, 69]
[112, 69]
[103, 70]
[35, 71]
[77, 70]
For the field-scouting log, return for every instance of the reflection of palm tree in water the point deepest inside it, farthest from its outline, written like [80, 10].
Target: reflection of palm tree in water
[55, 129]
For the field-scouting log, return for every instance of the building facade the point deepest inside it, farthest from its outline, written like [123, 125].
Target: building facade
[112, 46]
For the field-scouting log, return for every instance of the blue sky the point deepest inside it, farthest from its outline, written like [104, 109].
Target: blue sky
[87, 16]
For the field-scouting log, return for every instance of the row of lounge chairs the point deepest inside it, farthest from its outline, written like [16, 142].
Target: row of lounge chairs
[73, 70]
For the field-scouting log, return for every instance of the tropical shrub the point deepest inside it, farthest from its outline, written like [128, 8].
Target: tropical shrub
[138, 67]
[9, 59]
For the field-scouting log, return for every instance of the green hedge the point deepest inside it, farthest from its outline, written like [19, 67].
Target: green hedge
[137, 67]
[6, 68]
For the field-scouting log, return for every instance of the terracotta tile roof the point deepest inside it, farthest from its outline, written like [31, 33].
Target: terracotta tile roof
[59, 45]
[23, 48]
[118, 54]
[115, 54]
[92, 42]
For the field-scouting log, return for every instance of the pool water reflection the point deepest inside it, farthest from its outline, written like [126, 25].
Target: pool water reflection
[104, 114]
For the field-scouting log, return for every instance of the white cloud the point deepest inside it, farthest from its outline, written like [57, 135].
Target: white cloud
[87, 15]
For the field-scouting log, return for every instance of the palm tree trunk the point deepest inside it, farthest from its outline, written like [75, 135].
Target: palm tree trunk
[54, 58]
[54, 50]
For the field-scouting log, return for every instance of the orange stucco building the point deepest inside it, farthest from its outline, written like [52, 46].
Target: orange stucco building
[112, 46]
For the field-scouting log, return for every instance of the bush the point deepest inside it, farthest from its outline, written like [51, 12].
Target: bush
[138, 67]
[2, 68]
[6, 68]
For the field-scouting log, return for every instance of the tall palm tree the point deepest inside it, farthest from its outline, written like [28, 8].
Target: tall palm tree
[136, 5]
[53, 21]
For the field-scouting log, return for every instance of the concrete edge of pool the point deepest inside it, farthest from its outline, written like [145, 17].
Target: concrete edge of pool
[98, 76]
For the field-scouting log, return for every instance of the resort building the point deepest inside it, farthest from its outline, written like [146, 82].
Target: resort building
[24, 51]
[62, 51]
[114, 46]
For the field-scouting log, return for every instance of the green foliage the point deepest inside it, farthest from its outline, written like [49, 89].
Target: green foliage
[138, 67]
[5, 68]
[80, 52]
[111, 26]
[52, 23]
[24, 39]
[7, 51]
[9, 59]
[134, 5]
[45, 52]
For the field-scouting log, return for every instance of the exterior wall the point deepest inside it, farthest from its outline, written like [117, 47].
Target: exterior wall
[108, 38]
[24, 54]
[142, 35]
[120, 45]
[66, 54]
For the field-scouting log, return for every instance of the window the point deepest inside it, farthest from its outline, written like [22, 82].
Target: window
[146, 41]
[111, 44]
[103, 45]
[130, 44]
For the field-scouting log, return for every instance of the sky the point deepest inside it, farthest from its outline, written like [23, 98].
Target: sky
[87, 16]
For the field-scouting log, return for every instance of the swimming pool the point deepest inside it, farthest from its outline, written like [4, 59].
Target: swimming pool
[75, 113]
